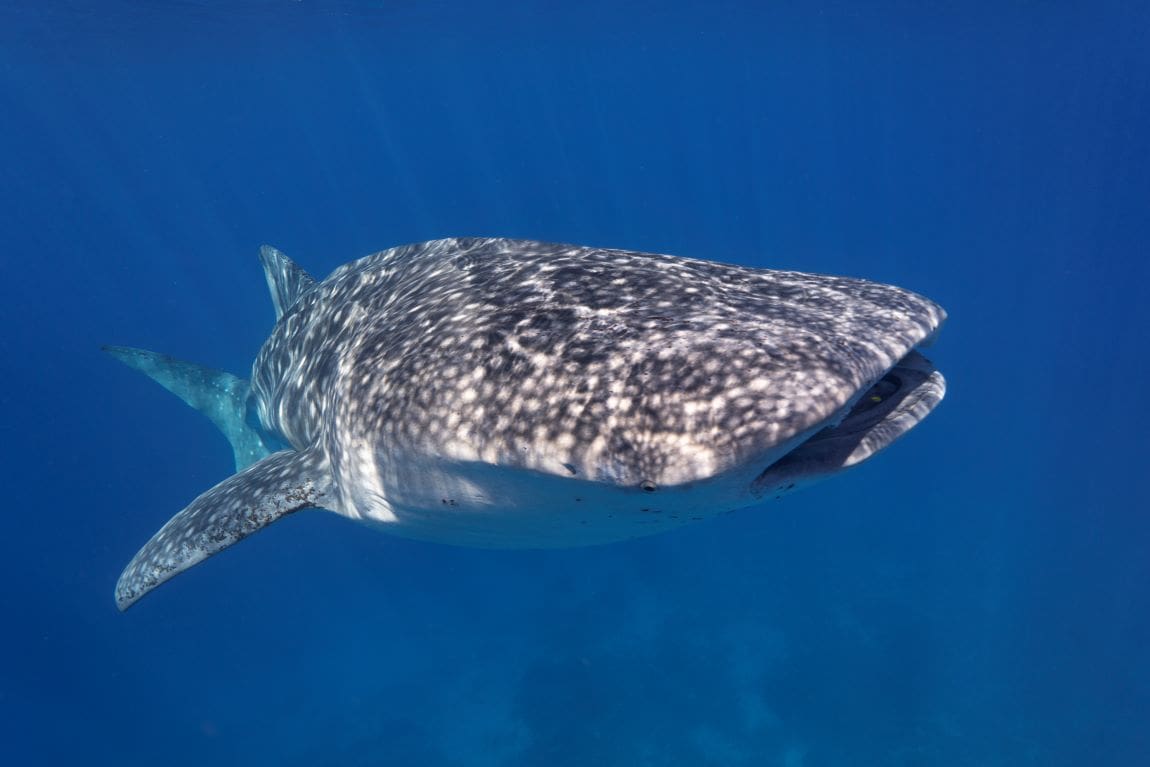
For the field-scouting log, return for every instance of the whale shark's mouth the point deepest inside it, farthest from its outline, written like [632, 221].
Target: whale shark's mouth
[890, 408]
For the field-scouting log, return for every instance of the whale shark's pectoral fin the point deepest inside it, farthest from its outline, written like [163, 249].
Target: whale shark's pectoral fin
[234, 509]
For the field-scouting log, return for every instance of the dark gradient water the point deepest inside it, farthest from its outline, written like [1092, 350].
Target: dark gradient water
[978, 595]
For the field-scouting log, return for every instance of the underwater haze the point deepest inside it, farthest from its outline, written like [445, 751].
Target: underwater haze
[977, 595]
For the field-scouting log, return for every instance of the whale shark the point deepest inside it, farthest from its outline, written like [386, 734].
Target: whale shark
[506, 393]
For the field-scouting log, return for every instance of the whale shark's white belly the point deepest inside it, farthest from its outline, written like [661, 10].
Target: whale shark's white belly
[489, 506]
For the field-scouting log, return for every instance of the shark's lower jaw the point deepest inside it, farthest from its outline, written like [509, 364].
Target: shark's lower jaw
[889, 409]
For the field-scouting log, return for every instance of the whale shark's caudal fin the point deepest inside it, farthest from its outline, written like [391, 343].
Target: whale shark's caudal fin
[286, 281]
[237, 507]
[222, 397]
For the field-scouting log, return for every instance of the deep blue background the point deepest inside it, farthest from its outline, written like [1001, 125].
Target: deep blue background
[978, 595]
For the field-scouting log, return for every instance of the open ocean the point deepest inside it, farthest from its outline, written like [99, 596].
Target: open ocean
[976, 596]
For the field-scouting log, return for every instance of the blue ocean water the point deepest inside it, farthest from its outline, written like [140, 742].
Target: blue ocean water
[977, 595]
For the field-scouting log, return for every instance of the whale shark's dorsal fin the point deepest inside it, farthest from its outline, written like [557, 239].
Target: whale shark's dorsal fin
[222, 397]
[286, 280]
[243, 503]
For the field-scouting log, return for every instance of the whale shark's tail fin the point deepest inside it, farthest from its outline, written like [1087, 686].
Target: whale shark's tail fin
[243, 503]
[222, 397]
[286, 280]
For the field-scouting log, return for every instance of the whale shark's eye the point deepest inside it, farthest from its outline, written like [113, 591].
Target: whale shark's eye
[647, 486]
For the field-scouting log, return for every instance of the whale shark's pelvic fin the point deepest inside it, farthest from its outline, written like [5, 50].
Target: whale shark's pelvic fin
[222, 397]
[286, 280]
[237, 507]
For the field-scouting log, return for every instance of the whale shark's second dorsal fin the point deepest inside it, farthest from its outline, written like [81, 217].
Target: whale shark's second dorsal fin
[243, 503]
[286, 280]
[222, 397]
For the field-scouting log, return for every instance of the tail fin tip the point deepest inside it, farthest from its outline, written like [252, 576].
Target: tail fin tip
[222, 397]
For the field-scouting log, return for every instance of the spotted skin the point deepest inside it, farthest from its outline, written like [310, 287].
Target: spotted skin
[512, 393]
